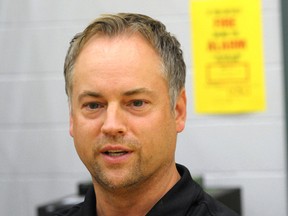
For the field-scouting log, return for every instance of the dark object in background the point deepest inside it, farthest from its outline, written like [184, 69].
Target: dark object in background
[65, 202]
[229, 197]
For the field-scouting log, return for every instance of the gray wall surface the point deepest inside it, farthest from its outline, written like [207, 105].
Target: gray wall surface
[38, 162]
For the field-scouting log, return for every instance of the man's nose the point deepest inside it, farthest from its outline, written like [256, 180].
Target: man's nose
[114, 123]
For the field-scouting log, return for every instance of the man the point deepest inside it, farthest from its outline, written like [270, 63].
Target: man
[125, 79]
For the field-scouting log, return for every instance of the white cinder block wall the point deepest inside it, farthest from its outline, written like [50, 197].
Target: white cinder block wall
[38, 162]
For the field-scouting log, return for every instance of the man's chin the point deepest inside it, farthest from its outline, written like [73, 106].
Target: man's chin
[117, 182]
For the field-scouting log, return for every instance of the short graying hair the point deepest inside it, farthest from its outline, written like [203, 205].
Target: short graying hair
[165, 44]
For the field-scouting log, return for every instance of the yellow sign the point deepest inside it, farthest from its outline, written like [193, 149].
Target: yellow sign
[228, 56]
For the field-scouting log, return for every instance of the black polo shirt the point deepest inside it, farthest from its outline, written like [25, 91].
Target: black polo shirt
[186, 198]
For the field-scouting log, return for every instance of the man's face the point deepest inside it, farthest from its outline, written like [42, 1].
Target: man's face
[121, 120]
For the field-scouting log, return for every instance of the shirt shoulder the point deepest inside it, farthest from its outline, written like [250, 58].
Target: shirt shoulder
[208, 206]
[86, 208]
[71, 211]
[187, 198]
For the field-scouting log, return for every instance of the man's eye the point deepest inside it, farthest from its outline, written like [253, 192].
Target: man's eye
[93, 106]
[138, 103]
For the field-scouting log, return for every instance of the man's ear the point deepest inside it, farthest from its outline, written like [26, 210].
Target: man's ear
[71, 131]
[180, 111]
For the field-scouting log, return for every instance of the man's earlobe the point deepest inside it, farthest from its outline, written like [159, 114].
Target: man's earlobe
[180, 111]
[71, 125]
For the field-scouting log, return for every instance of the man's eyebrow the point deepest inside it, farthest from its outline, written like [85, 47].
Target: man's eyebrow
[131, 92]
[89, 94]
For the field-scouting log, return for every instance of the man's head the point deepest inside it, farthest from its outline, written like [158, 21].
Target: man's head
[166, 45]
[121, 120]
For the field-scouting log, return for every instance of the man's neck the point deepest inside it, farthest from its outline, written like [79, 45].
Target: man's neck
[137, 201]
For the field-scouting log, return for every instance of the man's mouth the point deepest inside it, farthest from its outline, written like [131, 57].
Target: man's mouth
[115, 153]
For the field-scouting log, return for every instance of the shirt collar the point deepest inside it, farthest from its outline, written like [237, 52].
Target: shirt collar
[168, 204]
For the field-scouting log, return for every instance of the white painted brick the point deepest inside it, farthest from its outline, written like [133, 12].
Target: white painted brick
[41, 151]
[231, 147]
[33, 101]
[34, 50]
[272, 39]
[11, 198]
[33, 10]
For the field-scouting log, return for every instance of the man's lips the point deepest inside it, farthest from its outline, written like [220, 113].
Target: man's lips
[115, 150]
[115, 154]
